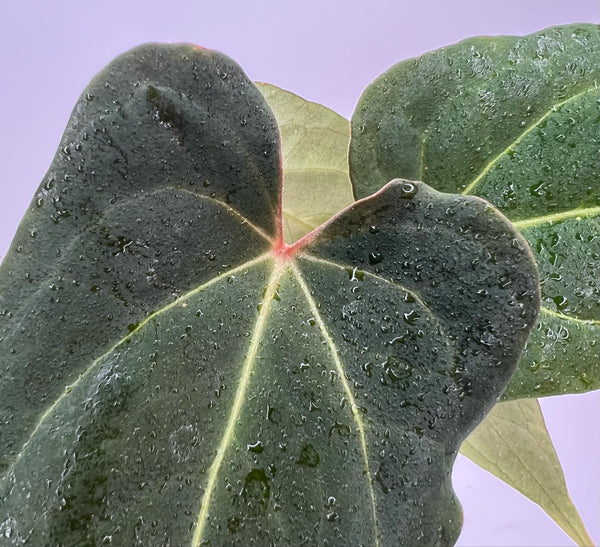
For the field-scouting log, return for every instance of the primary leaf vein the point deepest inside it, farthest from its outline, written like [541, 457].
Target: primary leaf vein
[564, 317]
[557, 217]
[228, 435]
[348, 392]
[488, 167]
[114, 347]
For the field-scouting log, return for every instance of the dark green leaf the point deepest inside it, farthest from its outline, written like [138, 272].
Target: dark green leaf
[521, 462]
[174, 373]
[513, 120]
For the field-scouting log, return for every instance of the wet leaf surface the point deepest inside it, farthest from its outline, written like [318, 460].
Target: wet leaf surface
[173, 372]
[513, 120]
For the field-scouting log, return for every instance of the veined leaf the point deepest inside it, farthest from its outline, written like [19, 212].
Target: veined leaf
[513, 443]
[173, 372]
[314, 146]
[513, 120]
[528, 462]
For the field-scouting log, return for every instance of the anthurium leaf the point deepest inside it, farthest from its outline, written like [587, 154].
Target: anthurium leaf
[174, 373]
[514, 120]
[528, 463]
[314, 146]
[513, 443]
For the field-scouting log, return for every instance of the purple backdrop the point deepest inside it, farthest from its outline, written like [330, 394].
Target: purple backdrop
[327, 52]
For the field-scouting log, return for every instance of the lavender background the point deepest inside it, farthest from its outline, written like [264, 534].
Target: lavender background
[325, 51]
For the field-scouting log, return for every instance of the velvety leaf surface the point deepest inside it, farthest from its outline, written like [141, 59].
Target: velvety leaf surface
[492, 444]
[176, 374]
[513, 120]
[513, 443]
[314, 147]
[118, 227]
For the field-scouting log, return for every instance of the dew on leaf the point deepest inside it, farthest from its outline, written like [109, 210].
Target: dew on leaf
[256, 447]
[408, 190]
[375, 258]
[308, 456]
[411, 317]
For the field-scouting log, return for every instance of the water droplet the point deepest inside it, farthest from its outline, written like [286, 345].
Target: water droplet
[256, 486]
[411, 317]
[308, 456]
[375, 258]
[354, 274]
[270, 410]
[257, 447]
[396, 370]
[561, 302]
[333, 516]
[408, 190]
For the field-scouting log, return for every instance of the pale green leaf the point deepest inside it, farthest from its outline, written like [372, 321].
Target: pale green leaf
[315, 161]
[513, 444]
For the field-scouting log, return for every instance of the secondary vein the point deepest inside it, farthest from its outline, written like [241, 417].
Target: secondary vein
[557, 217]
[228, 435]
[91, 367]
[342, 375]
[346, 267]
[497, 158]
[548, 311]
[229, 208]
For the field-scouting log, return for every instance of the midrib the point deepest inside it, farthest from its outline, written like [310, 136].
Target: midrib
[240, 395]
[347, 391]
[514, 143]
[249, 361]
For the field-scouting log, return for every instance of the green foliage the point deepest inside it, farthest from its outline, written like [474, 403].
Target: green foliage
[512, 442]
[166, 351]
[515, 121]
[314, 146]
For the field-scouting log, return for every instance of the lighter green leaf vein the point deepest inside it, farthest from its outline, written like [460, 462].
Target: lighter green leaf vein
[297, 219]
[346, 267]
[240, 394]
[564, 317]
[342, 375]
[498, 157]
[229, 208]
[549, 493]
[179, 301]
[577, 214]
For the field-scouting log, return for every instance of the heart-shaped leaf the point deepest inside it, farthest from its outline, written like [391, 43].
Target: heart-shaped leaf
[174, 373]
[513, 120]
[530, 464]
